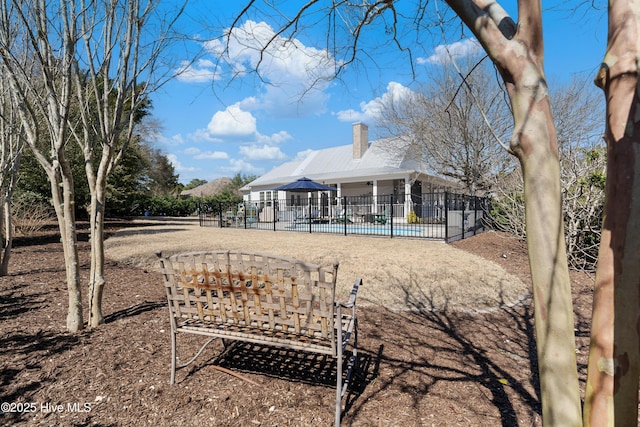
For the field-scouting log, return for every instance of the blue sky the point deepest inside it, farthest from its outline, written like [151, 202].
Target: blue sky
[213, 125]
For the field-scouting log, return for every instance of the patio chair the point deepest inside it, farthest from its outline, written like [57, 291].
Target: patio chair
[303, 217]
[381, 218]
[343, 216]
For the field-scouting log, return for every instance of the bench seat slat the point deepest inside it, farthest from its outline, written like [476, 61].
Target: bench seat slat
[260, 336]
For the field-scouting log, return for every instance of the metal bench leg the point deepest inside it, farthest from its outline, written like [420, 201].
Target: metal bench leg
[339, 368]
[353, 360]
[173, 356]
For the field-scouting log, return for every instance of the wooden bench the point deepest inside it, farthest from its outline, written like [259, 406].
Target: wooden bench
[261, 299]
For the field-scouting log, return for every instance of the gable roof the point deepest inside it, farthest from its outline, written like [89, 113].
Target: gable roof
[336, 164]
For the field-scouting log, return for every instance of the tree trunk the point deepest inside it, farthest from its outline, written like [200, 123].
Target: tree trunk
[553, 308]
[97, 185]
[611, 396]
[7, 236]
[518, 52]
[96, 275]
[63, 200]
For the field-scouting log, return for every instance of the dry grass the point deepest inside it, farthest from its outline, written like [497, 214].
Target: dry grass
[395, 272]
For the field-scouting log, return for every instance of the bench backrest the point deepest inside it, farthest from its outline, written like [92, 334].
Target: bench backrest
[257, 290]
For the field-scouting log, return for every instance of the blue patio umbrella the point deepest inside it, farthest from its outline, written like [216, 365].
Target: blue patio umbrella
[304, 185]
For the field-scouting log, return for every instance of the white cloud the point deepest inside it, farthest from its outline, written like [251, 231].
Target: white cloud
[352, 115]
[443, 53]
[250, 103]
[293, 80]
[264, 152]
[276, 138]
[293, 76]
[202, 70]
[232, 122]
[203, 135]
[154, 133]
[212, 155]
[236, 166]
[206, 155]
[176, 140]
[370, 111]
[179, 167]
[236, 125]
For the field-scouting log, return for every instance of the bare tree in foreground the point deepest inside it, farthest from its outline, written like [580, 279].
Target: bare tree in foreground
[82, 70]
[37, 61]
[517, 50]
[611, 396]
[11, 145]
[123, 66]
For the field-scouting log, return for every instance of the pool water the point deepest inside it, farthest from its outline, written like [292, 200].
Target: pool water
[398, 229]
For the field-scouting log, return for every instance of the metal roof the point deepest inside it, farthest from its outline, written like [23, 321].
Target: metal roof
[337, 165]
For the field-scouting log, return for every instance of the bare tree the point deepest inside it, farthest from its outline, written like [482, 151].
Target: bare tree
[583, 178]
[89, 68]
[578, 109]
[11, 145]
[518, 53]
[517, 50]
[37, 60]
[611, 395]
[452, 125]
[120, 66]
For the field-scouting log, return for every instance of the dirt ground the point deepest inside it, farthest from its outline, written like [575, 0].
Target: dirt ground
[435, 362]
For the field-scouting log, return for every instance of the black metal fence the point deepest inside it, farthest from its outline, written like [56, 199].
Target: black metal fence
[442, 216]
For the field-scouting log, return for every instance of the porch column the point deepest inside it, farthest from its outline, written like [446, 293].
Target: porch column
[375, 196]
[408, 203]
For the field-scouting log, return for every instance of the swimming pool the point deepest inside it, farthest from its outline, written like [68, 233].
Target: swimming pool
[405, 230]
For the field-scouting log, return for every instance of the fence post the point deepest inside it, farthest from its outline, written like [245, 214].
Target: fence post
[309, 215]
[463, 206]
[391, 215]
[273, 211]
[446, 216]
[486, 213]
[475, 214]
[344, 213]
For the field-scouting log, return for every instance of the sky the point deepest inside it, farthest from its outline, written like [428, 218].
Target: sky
[217, 118]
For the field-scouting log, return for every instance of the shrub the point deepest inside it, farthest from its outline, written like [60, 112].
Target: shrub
[30, 213]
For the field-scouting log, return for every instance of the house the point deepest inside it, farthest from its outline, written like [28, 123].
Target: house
[375, 173]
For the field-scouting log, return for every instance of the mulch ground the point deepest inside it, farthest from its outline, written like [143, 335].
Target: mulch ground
[420, 368]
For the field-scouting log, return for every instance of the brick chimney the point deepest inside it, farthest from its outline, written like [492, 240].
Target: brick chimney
[360, 140]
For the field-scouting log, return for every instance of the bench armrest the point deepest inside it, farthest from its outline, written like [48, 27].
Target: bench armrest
[353, 295]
